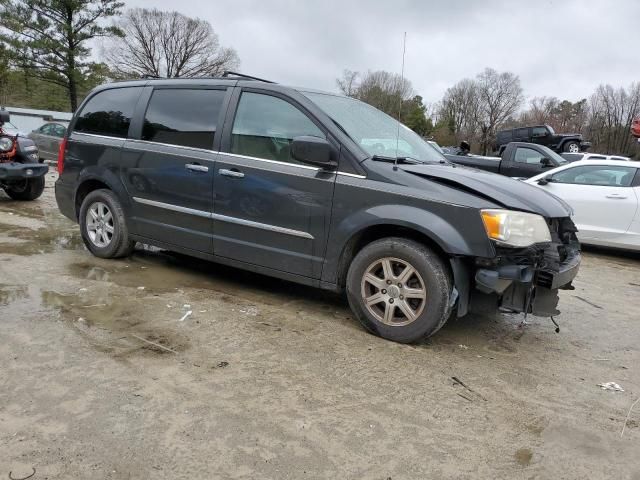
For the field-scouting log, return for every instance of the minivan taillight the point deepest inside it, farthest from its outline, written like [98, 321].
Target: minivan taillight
[61, 152]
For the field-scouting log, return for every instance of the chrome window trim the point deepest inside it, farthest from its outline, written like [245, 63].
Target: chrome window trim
[224, 218]
[354, 175]
[277, 162]
[171, 145]
[108, 137]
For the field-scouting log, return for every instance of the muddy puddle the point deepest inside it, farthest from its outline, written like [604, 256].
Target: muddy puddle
[118, 326]
[53, 236]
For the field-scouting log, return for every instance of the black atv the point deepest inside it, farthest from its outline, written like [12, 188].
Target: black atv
[21, 174]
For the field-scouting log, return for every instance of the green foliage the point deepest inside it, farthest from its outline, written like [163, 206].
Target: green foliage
[414, 116]
[48, 38]
[21, 89]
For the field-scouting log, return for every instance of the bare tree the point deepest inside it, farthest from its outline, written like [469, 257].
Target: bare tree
[348, 84]
[500, 96]
[459, 106]
[167, 44]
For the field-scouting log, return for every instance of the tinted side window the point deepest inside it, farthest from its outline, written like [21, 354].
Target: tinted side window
[522, 133]
[599, 175]
[183, 117]
[46, 129]
[109, 112]
[539, 132]
[528, 155]
[265, 126]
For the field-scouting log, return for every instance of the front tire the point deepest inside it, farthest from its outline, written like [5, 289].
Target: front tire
[571, 147]
[30, 190]
[399, 289]
[103, 227]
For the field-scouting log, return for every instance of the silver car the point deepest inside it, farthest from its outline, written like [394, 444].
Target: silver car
[48, 138]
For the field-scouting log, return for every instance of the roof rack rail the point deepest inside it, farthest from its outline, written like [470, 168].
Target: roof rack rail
[147, 76]
[229, 73]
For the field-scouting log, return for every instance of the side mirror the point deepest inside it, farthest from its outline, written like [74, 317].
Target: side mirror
[314, 151]
[546, 163]
[545, 180]
[4, 116]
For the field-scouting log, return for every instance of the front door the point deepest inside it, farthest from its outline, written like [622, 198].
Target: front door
[169, 170]
[602, 197]
[526, 163]
[270, 210]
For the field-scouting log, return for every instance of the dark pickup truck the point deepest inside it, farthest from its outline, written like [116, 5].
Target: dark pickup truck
[519, 159]
[542, 135]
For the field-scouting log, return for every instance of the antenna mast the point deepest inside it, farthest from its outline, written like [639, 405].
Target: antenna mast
[404, 50]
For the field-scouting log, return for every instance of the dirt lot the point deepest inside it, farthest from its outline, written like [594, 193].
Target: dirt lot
[271, 380]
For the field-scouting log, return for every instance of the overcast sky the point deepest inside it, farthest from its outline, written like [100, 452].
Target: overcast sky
[564, 48]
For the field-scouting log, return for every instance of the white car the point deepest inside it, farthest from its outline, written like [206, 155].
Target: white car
[605, 197]
[575, 157]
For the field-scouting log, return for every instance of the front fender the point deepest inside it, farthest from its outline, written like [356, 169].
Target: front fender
[461, 234]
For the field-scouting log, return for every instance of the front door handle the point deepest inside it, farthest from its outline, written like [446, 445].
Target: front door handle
[617, 196]
[231, 173]
[196, 167]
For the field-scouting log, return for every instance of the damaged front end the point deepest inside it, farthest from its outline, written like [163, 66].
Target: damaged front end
[521, 280]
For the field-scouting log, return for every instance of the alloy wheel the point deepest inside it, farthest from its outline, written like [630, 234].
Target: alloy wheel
[393, 291]
[100, 224]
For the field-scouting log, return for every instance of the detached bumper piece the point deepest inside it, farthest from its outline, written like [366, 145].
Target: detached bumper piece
[13, 171]
[528, 280]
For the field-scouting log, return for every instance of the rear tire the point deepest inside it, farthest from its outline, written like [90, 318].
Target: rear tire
[394, 302]
[30, 191]
[103, 227]
[571, 147]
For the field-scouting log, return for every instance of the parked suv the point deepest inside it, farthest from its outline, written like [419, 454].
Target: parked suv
[314, 188]
[543, 135]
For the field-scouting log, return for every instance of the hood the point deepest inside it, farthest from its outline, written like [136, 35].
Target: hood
[510, 193]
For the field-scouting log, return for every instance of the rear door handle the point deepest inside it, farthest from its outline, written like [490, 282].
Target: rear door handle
[196, 167]
[231, 173]
[617, 196]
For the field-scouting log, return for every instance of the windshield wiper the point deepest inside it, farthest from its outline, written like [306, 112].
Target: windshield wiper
[399, 160]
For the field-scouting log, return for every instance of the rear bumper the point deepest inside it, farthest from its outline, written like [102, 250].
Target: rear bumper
[64, 199]
[20, 171]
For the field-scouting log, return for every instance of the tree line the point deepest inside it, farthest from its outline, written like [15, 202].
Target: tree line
[474, 109]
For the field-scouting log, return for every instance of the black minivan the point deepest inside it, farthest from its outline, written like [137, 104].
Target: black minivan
[315, 188]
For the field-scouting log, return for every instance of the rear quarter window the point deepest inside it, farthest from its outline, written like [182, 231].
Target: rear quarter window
[109, 112]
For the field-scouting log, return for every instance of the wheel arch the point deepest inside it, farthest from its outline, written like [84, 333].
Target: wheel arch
[90, 182]
[416, 224]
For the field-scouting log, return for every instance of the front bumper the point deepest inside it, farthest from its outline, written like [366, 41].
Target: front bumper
[525, 280]
[14, 171]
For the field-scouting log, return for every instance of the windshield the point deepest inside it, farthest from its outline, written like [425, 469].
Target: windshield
[553, 155]
[375, 131]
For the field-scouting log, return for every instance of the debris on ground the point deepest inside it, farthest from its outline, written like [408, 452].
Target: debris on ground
[162, 347]
[611, 386]
[626, 420]
[457, 381]
[22, 478]
[464, 347]
[184, 317]
[140, 288]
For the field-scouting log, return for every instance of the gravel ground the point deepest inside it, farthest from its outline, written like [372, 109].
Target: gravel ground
[101, 377]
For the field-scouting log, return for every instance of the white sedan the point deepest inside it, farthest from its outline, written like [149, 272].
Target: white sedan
[605, 196]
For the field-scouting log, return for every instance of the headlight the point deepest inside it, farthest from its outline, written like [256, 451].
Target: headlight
[515, 229]
[6, 144]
